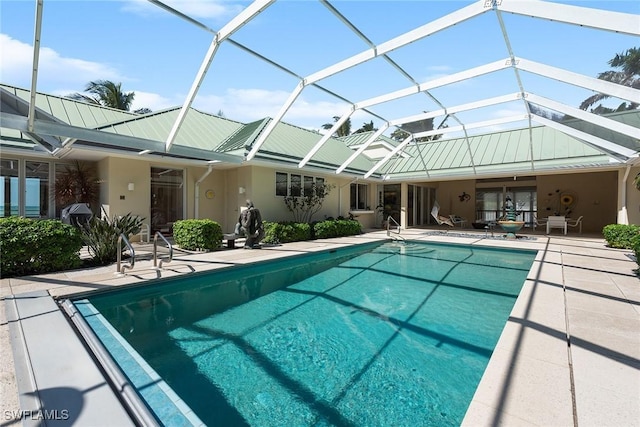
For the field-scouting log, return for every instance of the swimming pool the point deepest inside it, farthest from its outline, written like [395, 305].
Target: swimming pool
[369, 335]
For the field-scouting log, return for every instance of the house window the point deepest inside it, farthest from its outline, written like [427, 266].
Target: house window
[37, 190]
[9, 188]
[282, 184]
[308, 185]
[358, 199]
[491, 203]
[296, 185]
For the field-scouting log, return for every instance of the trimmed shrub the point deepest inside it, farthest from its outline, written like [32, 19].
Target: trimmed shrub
[620, 235]
[29, 246]
[197, 234]
[348, 227]
[284, 232]
[325, 229]
[336, 228]
[635, 246]
[100, 235]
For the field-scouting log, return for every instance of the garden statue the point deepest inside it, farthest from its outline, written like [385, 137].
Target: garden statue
[250, 225]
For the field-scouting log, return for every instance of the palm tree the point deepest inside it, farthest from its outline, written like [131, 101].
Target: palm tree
[105, 93]
[343, 130]
[367, 127]
[629, 75]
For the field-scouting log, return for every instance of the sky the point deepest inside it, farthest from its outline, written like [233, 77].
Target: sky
[157, 55]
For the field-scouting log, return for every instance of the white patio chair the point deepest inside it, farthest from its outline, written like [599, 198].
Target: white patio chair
[557, 222]
[537, 221]
[576, 223]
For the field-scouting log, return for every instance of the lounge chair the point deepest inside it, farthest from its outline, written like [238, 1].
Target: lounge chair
[439, 218]
[576, 223]
[455, 219]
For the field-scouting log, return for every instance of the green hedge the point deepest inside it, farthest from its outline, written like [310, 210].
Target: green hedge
[29, 246]
[621, 235]
[336, 228]
[197, 234]
[284, 232]
[635, 246]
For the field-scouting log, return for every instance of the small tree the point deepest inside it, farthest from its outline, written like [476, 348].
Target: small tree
[304, 207]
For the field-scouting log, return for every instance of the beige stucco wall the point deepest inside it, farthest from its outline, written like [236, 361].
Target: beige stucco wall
[596, 193]
[260, 188]
[115, 174]
[599, 195]
[633, 198]
[447, 195]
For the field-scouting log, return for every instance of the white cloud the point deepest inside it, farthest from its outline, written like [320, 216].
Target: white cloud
[197, 9]
[53, 69]
[153, 101]
[246, 105]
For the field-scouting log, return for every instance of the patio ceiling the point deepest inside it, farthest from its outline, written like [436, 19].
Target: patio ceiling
[519, 90]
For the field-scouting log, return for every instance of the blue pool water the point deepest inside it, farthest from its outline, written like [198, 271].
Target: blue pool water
[377, 336]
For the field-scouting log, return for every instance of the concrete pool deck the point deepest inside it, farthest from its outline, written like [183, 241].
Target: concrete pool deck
[569, 354]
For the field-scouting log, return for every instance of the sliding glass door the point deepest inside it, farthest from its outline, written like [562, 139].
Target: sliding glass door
[167, 199]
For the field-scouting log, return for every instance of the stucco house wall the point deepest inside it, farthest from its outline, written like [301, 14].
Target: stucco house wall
[596, 196]
[633, 197]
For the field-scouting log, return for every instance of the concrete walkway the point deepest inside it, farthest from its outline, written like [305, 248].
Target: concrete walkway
[569, 354]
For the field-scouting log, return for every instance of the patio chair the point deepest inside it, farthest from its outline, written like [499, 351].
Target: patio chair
[557, 222]
[537, 221]
[455, 219]
[576, 223]
[440, 219]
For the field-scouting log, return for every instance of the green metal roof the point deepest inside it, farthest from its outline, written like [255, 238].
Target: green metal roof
[204, 136]
[357, 139]
[243, 137]
[293, 143]
[199, 130]
[72, 112]
[511, 150]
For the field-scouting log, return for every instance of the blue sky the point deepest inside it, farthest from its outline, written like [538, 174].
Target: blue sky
[157, 55]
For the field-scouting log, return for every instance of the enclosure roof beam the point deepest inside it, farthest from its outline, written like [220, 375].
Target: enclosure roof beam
[225, 32]
[428, 29]
[576, 79]
[363, 147]
[389, 156]
[596, 119]
[326, 137]
[34, 69]
[614, 150]
[617, 22]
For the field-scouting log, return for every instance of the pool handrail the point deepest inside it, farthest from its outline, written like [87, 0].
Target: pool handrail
[132, 260]
[389, 219]
[155, 250]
